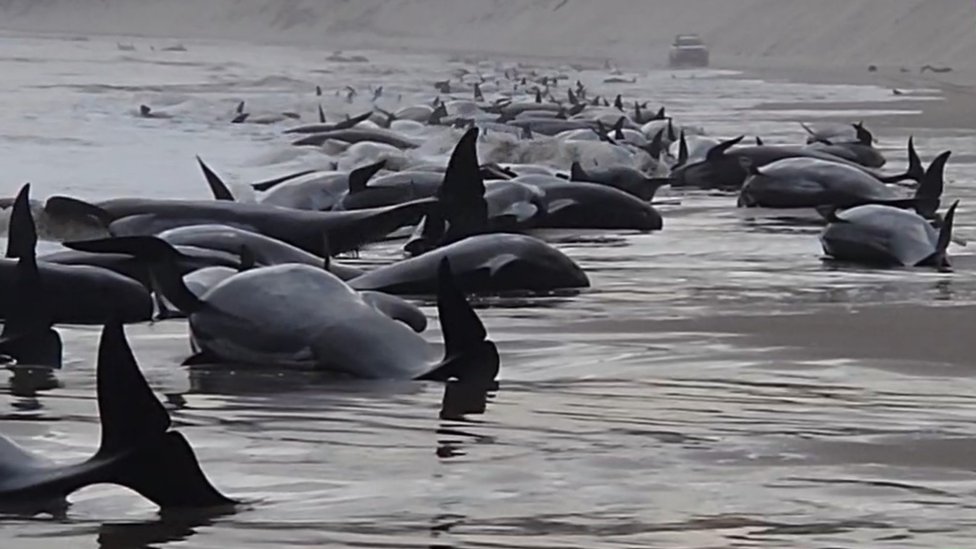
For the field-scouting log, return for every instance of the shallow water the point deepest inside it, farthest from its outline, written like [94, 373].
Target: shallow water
[601, 433]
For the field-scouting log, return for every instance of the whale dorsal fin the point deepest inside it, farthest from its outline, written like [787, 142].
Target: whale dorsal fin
[217, 185]
[156, 463]
[462, 194]
[577, 173]
[469, 356]
[21, 232]
[359, 178]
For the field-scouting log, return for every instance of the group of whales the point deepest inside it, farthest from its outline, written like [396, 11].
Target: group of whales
[258, 284]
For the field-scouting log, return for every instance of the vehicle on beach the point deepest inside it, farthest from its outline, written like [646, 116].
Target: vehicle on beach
[688, 50]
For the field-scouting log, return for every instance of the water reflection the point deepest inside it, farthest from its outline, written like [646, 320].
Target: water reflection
[26, 383]
[169, 527]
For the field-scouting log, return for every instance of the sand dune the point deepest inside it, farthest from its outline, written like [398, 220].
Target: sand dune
[786, 33]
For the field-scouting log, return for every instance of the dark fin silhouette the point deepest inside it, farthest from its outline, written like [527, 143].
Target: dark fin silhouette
[759, 141]
[656, 146]
[469, 356]
[435, 117]
[426, 235]
[605, 102]
[933, 184]
[359, 178]
[660, 114]
[577, 173]
[577, 108]
[915, 171]
[671, 135]
[618, 102]
[162, 259]
[351, 122]
[682, 150]
[157, 464]
[240, 108]
[637, 112]
[808, 129]
[272, 183]
[718, 150]
[27, 335]
[129, 411]
[144, 110]
[240, 118]
[538, 95]
[618, 129]
[248, 260]
[939, 259]
[217, 185]
[21, 232]
[573, 100]
[318, 91]
[864, 136]
[461, 196]
[321, 115]
[478, 96]
[66, 206]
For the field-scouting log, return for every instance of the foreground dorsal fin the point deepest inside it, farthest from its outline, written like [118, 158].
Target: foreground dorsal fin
[27, 335]
[21, 232]
[145, 457]
[217, 185]
[321, 115]
[461, 196]
[469, 355]
[618, 102]
[359, 178]
[129, 411]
